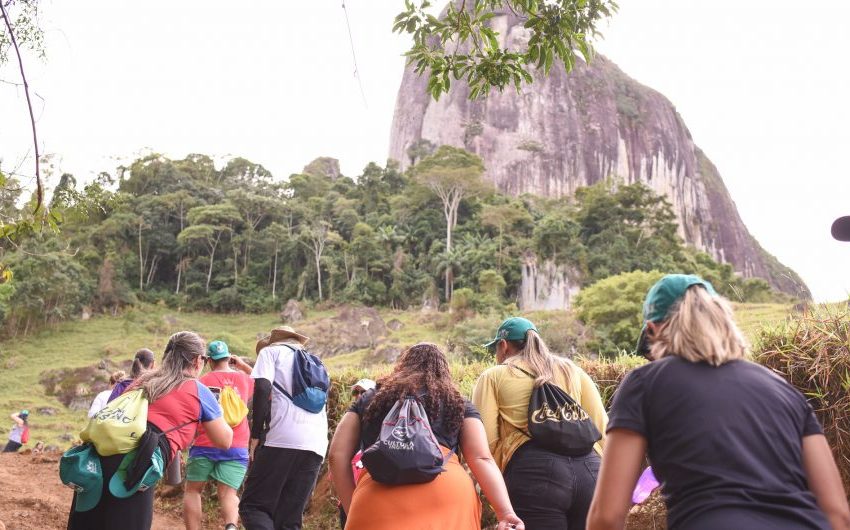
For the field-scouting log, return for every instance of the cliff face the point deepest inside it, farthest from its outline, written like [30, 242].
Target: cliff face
[567, 131]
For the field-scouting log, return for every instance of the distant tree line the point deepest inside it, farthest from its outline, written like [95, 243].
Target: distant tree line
[188, 234]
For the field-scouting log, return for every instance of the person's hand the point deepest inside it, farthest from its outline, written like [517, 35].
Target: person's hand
[510, 522]
[239, 364]
[252, 446]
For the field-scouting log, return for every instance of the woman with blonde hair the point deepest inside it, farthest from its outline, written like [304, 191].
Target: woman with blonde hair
[733, 444]
[178, 402]
[449, 500]
[549, 486]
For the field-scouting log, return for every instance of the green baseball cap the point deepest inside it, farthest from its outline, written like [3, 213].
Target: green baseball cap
[154, 472]
[80, 469]
[514, 328]
[662, 297]
[218, 349]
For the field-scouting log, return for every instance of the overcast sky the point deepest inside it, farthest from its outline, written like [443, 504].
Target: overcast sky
[762, 85]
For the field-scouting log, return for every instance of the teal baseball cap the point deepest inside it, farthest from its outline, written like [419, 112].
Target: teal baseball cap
[514, 328]
[151, 476]
[218, 349]
[80, 469]
[662, 297]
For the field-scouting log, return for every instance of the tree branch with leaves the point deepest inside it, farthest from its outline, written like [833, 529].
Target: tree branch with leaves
[461, 44]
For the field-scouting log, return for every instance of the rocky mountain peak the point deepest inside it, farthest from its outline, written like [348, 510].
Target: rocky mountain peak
[566, 131]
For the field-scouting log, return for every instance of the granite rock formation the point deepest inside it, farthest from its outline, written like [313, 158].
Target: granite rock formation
[570, 130]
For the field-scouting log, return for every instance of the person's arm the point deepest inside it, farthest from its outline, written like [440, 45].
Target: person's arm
[17, 418]
[219, 433]
[825, 481]
[618, 475]
[485, 400]
[476, 452]
[343, 446]
[591, 402]
[263, 375]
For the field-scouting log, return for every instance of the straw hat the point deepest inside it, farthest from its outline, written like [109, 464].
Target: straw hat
[281, 334]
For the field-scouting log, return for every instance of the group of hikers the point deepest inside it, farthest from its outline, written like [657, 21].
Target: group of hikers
[733, 445]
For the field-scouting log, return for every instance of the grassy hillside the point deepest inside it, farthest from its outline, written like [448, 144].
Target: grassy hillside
[81, 344]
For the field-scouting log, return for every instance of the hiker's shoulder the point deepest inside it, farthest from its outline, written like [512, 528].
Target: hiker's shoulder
[499, 372]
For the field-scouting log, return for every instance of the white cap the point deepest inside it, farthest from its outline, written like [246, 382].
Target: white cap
[365, 384]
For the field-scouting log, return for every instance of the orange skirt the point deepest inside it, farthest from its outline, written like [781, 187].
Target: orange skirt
[449, 502]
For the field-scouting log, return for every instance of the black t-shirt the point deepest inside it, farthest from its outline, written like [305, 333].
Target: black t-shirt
[722, 438]
[369, 431]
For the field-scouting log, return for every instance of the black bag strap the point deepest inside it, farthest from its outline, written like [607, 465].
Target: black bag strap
[180, 426]
[282, 390]
[526, 372]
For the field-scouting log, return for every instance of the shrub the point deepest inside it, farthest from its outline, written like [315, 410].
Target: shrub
[812, 352]
[612, 307]
[463, 301]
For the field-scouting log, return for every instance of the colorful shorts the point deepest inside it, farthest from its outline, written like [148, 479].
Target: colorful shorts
[228, 472]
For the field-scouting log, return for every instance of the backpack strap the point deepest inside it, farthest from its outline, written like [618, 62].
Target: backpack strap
[179, 426]
[529, 374]
[448, 456]
[282, 390]
[526, 372]
[278, 385]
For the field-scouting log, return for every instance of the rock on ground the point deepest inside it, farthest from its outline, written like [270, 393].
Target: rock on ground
[292, 312]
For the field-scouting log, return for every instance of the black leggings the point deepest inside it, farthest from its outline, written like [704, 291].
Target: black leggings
[12, 447]
[551, 491]
[133, 513]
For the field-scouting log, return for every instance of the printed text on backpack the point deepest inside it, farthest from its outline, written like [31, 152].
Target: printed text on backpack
[558, 423]
[406, 452]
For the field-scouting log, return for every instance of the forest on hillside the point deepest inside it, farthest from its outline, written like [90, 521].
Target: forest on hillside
[188, 234]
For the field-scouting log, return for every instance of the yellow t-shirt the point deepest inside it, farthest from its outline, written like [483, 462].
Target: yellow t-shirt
[502, 394]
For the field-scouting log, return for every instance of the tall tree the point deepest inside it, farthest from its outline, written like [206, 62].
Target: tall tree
[316, 236]
[453, 175]
[501, 216]
[207, 226]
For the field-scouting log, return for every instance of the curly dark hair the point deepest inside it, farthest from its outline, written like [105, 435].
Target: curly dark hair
[420, 368]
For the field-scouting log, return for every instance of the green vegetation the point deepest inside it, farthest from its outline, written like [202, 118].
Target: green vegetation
[54, 355]
[190, 236]
[462, 44]
[613, 307]
[812, 351]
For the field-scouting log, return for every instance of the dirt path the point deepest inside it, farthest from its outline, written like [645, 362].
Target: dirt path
[33, 498]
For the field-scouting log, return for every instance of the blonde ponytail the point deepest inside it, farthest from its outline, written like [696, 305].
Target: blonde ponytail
[536, 355]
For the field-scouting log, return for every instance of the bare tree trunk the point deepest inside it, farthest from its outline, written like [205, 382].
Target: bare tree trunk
[449, 226]
[499, 261]
[212, 257]
[141, 262]
[274, 276]
[179, 274]
[152, 270]
[235, 264]
[319, 273]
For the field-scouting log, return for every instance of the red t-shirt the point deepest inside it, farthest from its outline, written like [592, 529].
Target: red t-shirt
[244, 386]
[190, 403]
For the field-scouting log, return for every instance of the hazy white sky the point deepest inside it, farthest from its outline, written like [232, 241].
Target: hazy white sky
[762, 85]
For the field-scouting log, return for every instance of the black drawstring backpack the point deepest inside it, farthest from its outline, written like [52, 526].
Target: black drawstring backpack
[557, 423]
[406, 452]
